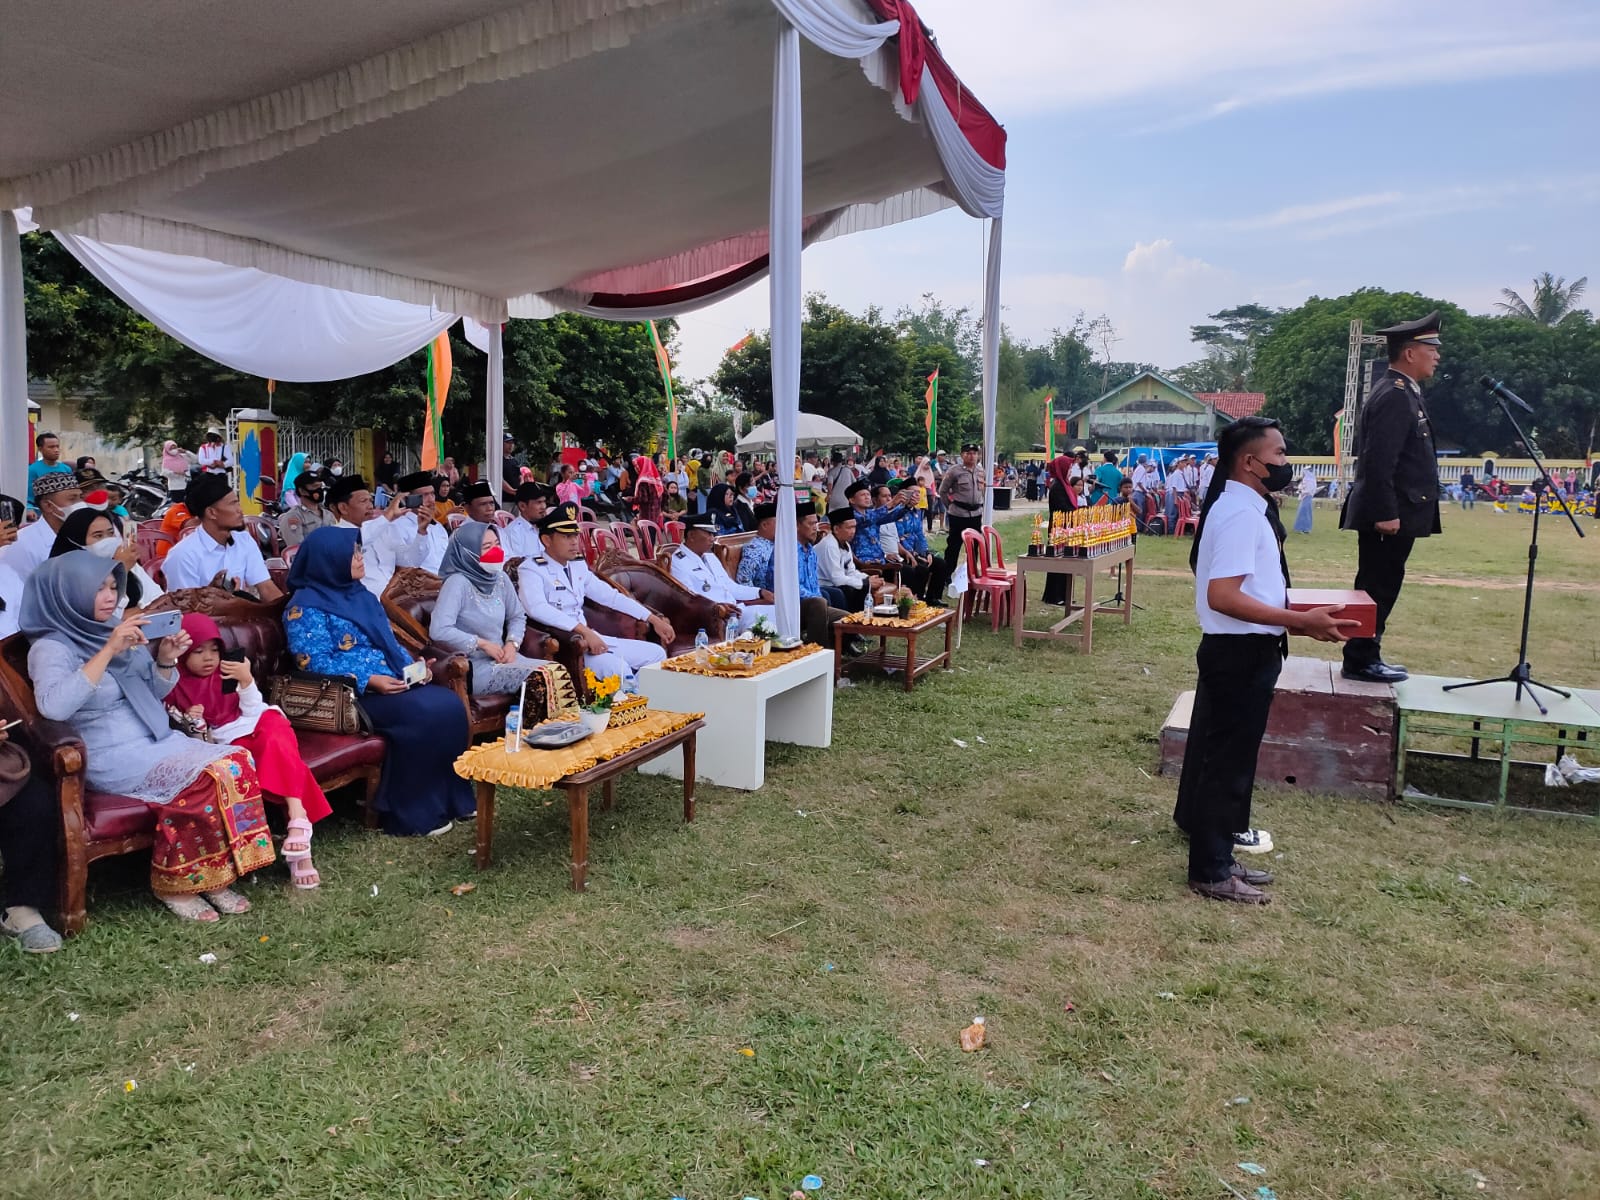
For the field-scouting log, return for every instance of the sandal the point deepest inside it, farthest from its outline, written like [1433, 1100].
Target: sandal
[190, 908]
[302, 874]
[226, 900]
[299, 830]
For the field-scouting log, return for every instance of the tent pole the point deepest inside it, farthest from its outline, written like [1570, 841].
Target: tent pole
[784, 289]
[13, 363]
[991, 360]
[495, 410]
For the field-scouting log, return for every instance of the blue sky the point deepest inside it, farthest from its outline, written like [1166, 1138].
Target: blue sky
[1167, 159]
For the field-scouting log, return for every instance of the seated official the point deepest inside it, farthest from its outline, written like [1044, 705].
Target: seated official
[836, 563]
[383, 533]
[296, 524]
[220, 551]
[869, 519]
[478, 612]
[520, 537]
[553, 586]
[336, 626]
[696, 565]
[921, 569]
[479, 498]
[426, 550]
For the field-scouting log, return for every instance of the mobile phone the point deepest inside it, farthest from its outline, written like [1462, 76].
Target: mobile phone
[230, 686]
[8, 511]
[414, 500]
[415, 673]
[163, 624]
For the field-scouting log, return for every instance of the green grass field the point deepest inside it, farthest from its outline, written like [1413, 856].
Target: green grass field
[1399, 1033]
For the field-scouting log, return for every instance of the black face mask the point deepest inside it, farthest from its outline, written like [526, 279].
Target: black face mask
[1278, 477]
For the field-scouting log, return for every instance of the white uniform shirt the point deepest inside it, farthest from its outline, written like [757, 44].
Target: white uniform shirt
[195, 561]
[704, 575]
[1145, 478]
[11, 596]
[1206, 472]
[381, 542]
[1239, 541]
[30, 549]
[1178, 482]
[553, 594]
[426, 550]
[1308, 483]
[836, 566]
[519, 539]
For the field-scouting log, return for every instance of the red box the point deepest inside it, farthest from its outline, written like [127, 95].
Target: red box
[1357, 606]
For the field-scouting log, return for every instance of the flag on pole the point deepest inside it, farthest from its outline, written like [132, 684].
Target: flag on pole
[741, 344]
[439, 371]
[666, 382]
[1049, 427]
[932, 398]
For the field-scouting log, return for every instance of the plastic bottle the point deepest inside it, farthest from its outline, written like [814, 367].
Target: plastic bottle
[866, 601]
[514, 728]
[702, 647]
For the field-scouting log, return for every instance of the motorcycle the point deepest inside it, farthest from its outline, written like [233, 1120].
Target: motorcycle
[144, 495]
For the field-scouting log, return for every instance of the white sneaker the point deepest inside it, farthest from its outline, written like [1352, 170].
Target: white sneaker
[442, 830]
[1253, 841]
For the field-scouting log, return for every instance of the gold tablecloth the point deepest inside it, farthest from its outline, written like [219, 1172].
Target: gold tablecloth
[490, 762]
[767, 662]
[919, 613]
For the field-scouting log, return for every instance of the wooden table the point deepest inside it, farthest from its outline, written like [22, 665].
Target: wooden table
[577, 788]
[1073, 568]
[912, 664]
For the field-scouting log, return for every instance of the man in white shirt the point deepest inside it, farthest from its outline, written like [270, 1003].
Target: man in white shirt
[520, 538]
[382, 535]
[1241, 599]
[553, 586]
[697, 567]
[836, 565]
[427, 549]
[58, 495]
[1177, 486]
[479, 498]
[810, 470]
[1203, 482]
[219, 550]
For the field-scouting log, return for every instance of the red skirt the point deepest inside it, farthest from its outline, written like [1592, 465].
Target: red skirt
[210, 833]
[280, 768]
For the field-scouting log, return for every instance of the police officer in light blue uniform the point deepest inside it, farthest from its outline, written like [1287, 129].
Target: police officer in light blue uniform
[696, 566]
[554, 585]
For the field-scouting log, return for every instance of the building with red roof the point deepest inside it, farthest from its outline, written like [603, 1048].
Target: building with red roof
[1234, 405]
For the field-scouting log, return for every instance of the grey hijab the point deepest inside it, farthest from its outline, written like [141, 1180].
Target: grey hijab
[58, 603]
[461, 558]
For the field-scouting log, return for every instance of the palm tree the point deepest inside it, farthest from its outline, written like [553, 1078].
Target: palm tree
[1554, 300]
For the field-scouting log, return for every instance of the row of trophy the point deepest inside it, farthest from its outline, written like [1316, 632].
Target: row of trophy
[1083, 532]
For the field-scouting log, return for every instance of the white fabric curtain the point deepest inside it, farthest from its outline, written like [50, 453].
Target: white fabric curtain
[13, 363]
[826, 26]
[784, 288]
[991, 358]
[495, 410]
[258, 323]
[979, 188]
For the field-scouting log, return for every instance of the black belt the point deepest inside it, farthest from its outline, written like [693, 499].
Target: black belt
[974, 508]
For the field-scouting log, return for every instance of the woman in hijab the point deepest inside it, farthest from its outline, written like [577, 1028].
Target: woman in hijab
[478, 612]
[723, 514]
[101, 534]
[647, 497]
[292, 470]
[1063, 498]
[106, 681]
[336, 627]
[176, 463]
[388, 471]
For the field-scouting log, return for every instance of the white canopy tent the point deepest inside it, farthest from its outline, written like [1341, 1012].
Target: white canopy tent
[626, 158]
[811, 432]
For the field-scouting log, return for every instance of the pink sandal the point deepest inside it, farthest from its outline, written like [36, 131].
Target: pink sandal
[302, 874]
[299, 830]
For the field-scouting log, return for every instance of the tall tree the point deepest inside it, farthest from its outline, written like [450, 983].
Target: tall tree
[1553, 300]
[949, 340]
[1230, 342]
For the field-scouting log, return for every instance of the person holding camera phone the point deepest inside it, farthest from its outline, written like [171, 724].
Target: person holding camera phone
[217, 697]
[108, 680]
[427, 549]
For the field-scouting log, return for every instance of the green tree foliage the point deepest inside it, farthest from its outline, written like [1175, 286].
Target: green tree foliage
[949, 340]
[1301, 368]
[1231, 342]
[1553, 300]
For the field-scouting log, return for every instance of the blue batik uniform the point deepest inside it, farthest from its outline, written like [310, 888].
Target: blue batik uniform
[755, 564]
[865, 545]
[810, 582]
[912, 537]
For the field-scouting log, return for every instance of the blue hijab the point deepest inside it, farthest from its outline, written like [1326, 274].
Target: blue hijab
[319, 577]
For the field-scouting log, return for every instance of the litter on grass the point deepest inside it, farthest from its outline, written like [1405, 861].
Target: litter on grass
[462, 889]
[1465, 880]
[208, 958]
[130, 1085]
[1237, 1102]
[981, 742]
[1166, 996]
[374, 888]
[973, 1036]
[747, 1051]
[73, 1017]
[1252, 1168]
[959, 742]
[1265, 1193]
[811, 1183]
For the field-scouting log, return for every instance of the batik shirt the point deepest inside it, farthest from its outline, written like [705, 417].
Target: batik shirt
[865, 545]
[329, 645]
[912, 538]
[755, 564]
[810, 584]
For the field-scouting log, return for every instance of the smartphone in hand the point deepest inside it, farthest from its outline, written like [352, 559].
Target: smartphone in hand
[229, 686]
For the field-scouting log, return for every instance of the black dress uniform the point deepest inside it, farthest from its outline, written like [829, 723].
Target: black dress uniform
[1397, 478]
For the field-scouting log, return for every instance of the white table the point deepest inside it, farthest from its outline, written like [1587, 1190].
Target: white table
[791, 704]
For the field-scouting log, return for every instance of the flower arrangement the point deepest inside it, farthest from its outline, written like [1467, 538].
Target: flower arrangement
[602, 692]
[763, 630]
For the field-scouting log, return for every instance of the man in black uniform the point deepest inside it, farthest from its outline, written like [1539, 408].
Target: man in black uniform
[1395, 497]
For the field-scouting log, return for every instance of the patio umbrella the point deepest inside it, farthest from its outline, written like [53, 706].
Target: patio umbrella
[811, 432]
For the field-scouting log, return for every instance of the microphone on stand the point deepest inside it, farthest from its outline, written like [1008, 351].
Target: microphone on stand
[1505, 393]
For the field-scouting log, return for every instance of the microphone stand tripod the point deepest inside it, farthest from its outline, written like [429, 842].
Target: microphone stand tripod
[1522, 674]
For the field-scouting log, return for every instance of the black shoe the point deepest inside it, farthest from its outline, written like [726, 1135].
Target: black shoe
[854, 647]
[1251, 876]
[1375, 673]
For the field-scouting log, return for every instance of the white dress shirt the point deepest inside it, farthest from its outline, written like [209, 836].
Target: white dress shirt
[836, 566]
[1308, 483]
[11, 597]
[1206, 472]
[520, 539]
[381, 542]
[196, 560]
[553, 594]
[705, 575]
[1238, 541]
[30, 549]
[426, 550]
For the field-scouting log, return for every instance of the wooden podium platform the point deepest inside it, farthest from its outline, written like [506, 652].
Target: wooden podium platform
[1326, 733]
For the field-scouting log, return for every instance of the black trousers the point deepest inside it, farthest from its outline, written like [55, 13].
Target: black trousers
[1380, 570]
[816, 621]
[954, 523]
[30, 839]
[1055, 584]
[1237, 676]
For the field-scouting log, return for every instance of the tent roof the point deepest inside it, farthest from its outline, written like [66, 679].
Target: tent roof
[482, 158]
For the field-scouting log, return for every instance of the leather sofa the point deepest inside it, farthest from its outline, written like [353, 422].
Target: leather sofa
[99, 825]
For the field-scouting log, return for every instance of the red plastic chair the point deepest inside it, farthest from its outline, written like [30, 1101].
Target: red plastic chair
[502, 518]
[650, 536]
[149, 539]
[1153, 515]
[994, 555]
[983, 588]
[289, 552]
[1188, 519]
[603, 540]
[628, 537]
[456, 520]
[674, 532]
[586, 532]
[585, 513]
